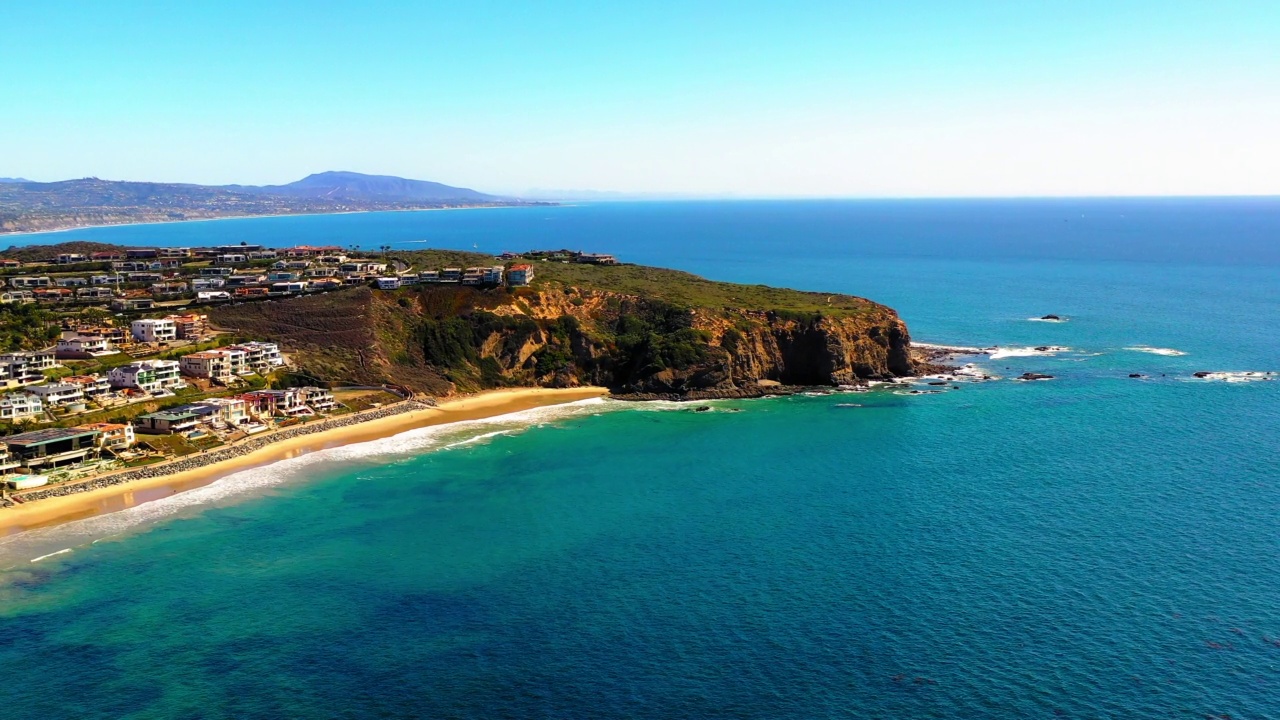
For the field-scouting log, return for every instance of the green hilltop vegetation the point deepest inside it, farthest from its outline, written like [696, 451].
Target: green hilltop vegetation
[672, 286]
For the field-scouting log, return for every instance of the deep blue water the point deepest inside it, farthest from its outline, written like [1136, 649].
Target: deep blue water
[1091, 546]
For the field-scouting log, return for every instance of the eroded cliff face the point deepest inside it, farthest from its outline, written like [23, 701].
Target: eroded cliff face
[441, 340]
[736, 349]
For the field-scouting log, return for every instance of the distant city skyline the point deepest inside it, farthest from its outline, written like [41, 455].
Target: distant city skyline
[709, 99]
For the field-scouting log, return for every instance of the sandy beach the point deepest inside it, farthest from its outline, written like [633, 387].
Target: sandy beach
[66, 508]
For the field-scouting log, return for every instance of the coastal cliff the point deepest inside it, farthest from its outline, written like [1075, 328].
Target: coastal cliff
[639, 331]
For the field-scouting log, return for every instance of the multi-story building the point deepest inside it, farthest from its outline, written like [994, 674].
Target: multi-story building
[190, 326]
[53, 447]
[154, 330]
[134, 376]
[170, 288]
[17, 407]
[207, 283]
[55, 394]
[319, 399]
[209, 364]
[17, 296]
[83, 347]
[72, 281]
[167, 422]
[231, 411]
[36, 360]
[71, 258]
[94, 293]
[105, 279]
[211, 296]
[269, 403]
[91, 385]
[29, 282]
[216, 271]
[132, 303]
[112, 436]
[520, 274]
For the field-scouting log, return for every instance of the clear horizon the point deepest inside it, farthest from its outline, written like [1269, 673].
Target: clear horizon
[734, 101]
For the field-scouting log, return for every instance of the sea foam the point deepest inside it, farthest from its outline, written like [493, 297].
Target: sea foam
[43, 543]
[1170, 352]
[1040, 350]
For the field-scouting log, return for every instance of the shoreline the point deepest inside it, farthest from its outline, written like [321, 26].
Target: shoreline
[73, 228]
[91, 497]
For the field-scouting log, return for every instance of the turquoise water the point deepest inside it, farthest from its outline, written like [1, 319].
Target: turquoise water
[1090, 546]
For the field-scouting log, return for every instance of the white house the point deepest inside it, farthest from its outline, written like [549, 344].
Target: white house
[388, 283]
[16, 407]
[154, 330]
[83, 347]
[56, 394]
[208, 296]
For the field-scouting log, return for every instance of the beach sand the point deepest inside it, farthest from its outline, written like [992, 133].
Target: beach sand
[66, 508]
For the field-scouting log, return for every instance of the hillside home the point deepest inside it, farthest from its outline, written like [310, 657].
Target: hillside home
[56, 394]
[17, 407]
[106, 279]
[17, 296]
[206, 283]
[212, 296]
[173, 288]
[70, 282]
[70, 258]
[132, 303]
[216, 271]
[94, 293]
[190, 326]
[91, 385]
[388, 283]
[229, 411]
[520, 274]
[154, 330]
[83, 347]
[24, 281]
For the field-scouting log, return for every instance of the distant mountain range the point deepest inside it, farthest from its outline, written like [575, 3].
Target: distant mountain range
[31, 206]
[357, 186]
[14, 180]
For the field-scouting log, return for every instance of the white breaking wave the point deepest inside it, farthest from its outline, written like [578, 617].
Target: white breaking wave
[36, 544]
[1040, 350]
[1155, 350]
[1238, 377]
[1048, 320]
[63, 551]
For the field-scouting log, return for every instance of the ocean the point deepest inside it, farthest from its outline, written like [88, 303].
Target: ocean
[1095, 545]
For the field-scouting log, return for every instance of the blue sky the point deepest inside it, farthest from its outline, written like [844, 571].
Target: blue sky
[706, 98]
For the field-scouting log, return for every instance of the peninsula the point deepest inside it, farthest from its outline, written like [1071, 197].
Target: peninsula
[129, 365]
[27, 206]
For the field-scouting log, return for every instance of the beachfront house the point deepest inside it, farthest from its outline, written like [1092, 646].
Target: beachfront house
[226, 411]
[318, 399]
[270, 403]
[154, 330]
[53, 447]
[166, 422]
[112, 436]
